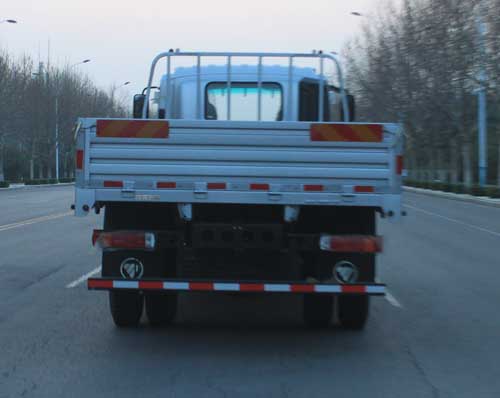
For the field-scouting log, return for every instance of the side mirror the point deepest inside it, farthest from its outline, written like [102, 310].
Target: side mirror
[351, 103]
[139, 100]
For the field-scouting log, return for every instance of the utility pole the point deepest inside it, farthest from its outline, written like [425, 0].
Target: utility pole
[482, 114]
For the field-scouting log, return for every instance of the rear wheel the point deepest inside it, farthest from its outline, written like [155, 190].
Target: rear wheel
[161, 309]
[318, 310]
[352, 311]
[126, 308]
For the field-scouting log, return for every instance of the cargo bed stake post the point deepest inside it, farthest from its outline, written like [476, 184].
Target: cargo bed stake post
[290, 88]
[259, 94]
[345, 107]
[198, 87]
[229, 87]
[321, 88]
[168, 102]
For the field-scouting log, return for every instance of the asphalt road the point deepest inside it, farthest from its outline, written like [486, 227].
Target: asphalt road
[437, 335]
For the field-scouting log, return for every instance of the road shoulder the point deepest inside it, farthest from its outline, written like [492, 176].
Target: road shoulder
[485, 201]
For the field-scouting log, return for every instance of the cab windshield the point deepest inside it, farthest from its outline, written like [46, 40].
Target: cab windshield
[244, 101]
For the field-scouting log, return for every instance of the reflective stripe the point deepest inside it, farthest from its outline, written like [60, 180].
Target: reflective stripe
[276, 288]
[353, 289]
[227, 287]
[176, 285]
[297, 288]
[127, 128]
[375, 289]
[328, 289]
[126, 284]
[346, 132]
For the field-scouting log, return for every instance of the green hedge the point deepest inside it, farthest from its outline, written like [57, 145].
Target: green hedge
[476, 190]
[41, 181]
[4, 184]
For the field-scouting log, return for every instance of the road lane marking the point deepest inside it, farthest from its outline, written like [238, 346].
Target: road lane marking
[489, 231]
[392, 300]
[6, 227]
[83, 278]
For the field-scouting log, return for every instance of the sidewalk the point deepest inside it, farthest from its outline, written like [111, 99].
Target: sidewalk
[482, 200]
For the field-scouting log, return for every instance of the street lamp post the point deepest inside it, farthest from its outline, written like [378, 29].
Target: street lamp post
[58, 93]
[113, 93]
[482, 115]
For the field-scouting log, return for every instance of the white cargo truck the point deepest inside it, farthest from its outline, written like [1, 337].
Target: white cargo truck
[240, 178]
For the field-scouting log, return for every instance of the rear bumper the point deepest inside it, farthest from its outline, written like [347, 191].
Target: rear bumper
[182, 285]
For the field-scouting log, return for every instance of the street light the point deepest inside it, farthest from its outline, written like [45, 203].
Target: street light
[482, 112]
[113, 89]
[120, 86]
[79, 63]
[8, 21]
[58, 93]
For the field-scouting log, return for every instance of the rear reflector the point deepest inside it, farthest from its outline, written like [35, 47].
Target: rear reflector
[399, 165]
[129, 128]
[79, 159]
[351, 243]
[314, 188]
[216, 185]
[346, 132]
[363, 189]
[124, 240]
[113, 184]
[259, 187]
[166, 185]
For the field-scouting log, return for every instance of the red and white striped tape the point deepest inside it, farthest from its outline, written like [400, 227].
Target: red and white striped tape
[96, 283]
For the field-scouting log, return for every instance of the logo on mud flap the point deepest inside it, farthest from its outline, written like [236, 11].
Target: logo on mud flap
[131, 268]
[345, 272]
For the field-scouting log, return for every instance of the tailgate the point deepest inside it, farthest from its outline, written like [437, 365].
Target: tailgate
[239, 162]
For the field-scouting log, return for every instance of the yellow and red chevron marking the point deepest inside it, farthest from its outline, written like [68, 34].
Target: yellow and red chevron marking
[347, 132]
[126, 128]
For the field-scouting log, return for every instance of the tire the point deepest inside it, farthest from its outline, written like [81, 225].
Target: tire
[352, 311]
[318, 310]
[126, 308]
[161, 309]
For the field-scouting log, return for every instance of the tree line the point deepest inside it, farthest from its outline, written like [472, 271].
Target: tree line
[28, 93]
[419, 63]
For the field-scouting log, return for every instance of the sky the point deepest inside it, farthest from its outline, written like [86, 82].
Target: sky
[121, 37]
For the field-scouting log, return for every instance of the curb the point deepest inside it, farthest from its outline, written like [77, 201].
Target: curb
[485, 201]
[22, 186]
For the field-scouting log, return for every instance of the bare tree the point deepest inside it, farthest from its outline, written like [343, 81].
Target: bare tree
[27, 116]
[418, 63]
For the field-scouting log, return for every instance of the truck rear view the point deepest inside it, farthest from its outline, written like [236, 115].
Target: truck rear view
[241, 179]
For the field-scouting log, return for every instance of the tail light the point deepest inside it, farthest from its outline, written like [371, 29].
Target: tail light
[351, 243]
[124, 240]
[79, 159]
[399, 164]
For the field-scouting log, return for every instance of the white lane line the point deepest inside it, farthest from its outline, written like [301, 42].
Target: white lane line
[34, 221]
[392, 300]
[489, 231]
[83, 278]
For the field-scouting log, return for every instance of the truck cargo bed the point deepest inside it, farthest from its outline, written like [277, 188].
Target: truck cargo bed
[238, 162]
